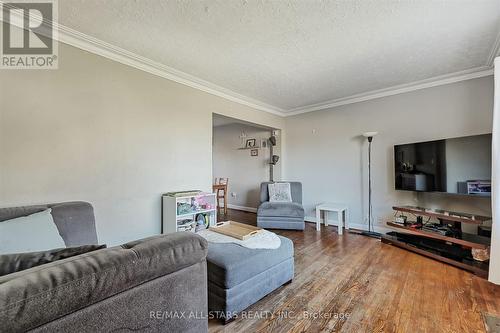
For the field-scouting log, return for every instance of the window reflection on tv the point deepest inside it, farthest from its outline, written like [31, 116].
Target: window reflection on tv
[458, 165]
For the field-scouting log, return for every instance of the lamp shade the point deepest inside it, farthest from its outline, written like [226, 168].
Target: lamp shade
[369, 134]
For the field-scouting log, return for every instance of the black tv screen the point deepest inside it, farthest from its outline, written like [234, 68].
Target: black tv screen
[458, 165]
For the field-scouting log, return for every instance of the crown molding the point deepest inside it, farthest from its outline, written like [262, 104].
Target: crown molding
[85, 42]
[94, 45]
[104, 49]
[395, 90]
[495, 51]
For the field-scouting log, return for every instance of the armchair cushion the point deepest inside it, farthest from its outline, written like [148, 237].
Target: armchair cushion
[279, 192]
[281, 209]
[295, 187]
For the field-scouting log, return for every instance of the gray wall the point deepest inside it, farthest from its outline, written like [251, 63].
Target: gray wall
[103, 132]
[245, 172]
[326, 152]
[467, 159]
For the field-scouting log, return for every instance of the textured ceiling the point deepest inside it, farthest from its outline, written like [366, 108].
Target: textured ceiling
[292, 54]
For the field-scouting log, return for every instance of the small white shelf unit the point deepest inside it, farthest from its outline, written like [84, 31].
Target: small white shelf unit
[177, 212]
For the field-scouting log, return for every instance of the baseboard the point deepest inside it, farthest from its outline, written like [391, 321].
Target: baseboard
[377, 228]
[359, 226]
[243, 208]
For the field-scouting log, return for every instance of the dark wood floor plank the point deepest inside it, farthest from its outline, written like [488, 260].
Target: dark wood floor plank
[381, 287]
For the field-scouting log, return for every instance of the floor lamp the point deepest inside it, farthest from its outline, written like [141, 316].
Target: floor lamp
[370, 232]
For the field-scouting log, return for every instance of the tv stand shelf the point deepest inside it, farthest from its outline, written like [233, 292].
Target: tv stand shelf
[478, 268]
[458, 248]
[443, 214]
[467, 240]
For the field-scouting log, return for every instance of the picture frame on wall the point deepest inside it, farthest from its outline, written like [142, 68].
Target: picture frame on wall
[250, 143]
[254, 152]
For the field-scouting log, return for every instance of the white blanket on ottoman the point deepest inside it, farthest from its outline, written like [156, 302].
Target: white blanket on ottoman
[262, 240]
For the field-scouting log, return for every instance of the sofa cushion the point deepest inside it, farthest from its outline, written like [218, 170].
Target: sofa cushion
[231, 264]
[11, 263]
[282, 209]
[74, 220]
[41, 294]
[35, 232]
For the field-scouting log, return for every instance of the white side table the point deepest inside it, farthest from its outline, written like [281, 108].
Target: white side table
[342, 215]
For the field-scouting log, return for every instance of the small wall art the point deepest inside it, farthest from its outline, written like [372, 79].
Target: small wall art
[251, 143]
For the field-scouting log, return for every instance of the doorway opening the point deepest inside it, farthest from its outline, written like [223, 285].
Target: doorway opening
[244, 155]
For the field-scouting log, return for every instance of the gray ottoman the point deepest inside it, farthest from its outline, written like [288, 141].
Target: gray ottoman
[239, 277]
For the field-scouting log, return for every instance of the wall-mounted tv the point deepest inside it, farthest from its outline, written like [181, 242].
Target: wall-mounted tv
[457, 165]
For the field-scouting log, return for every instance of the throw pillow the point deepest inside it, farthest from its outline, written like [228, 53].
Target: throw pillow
[279, 192]
[36, 232]
[11, 263]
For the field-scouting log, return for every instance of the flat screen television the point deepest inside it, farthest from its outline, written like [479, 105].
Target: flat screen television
[457, 165]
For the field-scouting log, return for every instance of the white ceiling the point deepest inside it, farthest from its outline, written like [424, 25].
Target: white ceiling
[298, 55]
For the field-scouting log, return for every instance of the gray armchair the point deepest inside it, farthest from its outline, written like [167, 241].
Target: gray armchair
[281, 215]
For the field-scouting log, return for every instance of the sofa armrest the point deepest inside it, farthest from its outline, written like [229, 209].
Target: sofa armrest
[41, 294]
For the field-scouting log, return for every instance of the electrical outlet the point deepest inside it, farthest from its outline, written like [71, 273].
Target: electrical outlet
[233, 194]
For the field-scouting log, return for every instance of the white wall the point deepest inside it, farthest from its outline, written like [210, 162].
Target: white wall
[326, 152]
[245, 172]
[103, 132]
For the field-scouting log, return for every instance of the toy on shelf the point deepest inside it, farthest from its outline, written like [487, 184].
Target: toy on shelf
[188, 212]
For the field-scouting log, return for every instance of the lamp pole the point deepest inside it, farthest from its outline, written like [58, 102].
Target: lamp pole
[370, 233]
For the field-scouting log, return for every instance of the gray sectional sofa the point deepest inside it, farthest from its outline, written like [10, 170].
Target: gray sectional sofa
[149, 285]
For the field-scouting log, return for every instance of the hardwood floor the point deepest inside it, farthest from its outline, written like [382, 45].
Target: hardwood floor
[377, 287]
